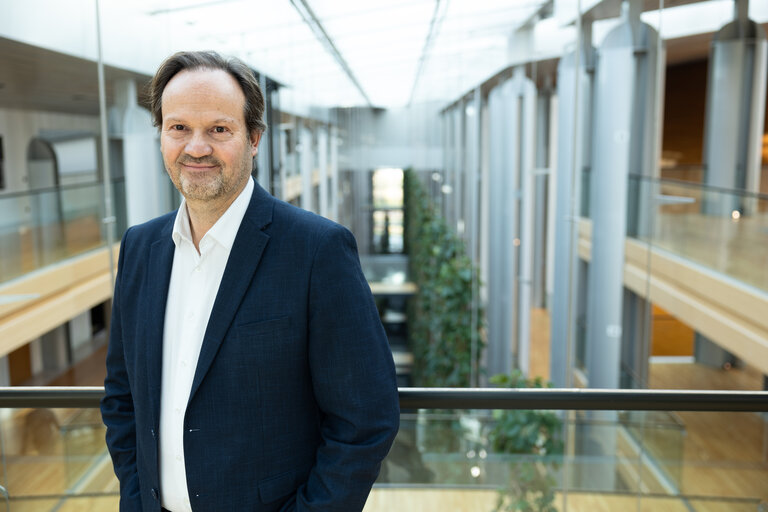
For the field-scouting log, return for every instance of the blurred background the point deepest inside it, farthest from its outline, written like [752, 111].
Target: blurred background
[543, 191]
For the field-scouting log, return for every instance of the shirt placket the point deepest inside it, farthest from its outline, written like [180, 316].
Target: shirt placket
[190, 330]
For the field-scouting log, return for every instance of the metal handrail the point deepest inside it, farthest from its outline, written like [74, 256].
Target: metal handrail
[470, 398]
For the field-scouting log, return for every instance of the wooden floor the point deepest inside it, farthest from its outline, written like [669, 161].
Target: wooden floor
[462, 500]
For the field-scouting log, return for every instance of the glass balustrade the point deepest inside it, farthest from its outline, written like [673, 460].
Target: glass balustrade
[56, 459]
[43, 227]
[722, 230]
[612, 460]
[458, 460]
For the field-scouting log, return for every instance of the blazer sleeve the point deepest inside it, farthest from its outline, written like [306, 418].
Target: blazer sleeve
[353, 378]
[117, 405]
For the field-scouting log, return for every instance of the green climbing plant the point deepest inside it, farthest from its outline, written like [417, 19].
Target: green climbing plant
[441, 322]
[535, 438]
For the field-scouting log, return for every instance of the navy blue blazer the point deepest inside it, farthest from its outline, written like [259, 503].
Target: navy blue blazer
[294, 401]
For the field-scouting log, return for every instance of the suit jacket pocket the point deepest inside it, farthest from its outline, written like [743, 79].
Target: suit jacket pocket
[258, 328]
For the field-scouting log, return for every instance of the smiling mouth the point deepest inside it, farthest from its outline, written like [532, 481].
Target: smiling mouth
[198, 166]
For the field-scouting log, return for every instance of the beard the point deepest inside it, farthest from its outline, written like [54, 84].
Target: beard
[212, 184]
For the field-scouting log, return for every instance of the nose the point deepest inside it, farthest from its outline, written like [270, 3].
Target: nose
[197, 146]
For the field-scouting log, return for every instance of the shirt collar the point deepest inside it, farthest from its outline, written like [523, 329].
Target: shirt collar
[225, 229]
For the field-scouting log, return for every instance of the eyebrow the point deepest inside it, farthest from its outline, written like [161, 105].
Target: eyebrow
[221, 120]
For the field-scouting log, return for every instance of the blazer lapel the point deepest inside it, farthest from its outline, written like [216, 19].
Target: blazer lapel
[244, 257]
[158, 279]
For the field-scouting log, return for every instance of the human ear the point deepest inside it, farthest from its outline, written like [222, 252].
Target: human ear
[255, 139]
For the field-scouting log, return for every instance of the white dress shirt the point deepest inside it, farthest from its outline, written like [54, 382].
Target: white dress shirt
[195, 280]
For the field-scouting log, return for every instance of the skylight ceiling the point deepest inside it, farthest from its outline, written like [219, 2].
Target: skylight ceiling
[383, 43]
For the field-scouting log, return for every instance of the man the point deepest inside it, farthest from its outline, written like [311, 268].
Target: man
[247, 368]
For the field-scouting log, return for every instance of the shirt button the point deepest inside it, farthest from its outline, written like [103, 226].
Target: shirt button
[197, 269]
[178, 410]
[178, 458]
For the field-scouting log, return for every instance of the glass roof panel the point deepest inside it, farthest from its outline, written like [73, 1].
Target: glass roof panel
[382, 42]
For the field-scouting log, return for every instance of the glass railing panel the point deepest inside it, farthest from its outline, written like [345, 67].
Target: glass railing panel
[64, 504]
[384, 499]
[724, 230]
[599, 460]
[661, 436]
[53, 455]
[55, 459]
[726, 454]
[43, 227]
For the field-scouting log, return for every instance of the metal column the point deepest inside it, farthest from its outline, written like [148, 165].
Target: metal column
[541, 180]
[733, 134]
[501, 282]
[472, 216]
[523, 135]
[624, 149]
[511, 109]
[574, 93]
[735, 112]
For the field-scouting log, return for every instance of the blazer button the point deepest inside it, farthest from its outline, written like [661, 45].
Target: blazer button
[152, 431]
[154, 493]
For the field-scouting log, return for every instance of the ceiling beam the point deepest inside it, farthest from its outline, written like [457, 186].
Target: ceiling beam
[317, 28]
[434, 26]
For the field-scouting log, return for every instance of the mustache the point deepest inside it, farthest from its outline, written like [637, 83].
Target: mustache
[203, 160]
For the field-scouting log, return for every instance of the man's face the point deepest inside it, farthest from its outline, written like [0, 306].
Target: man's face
[206, 146]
